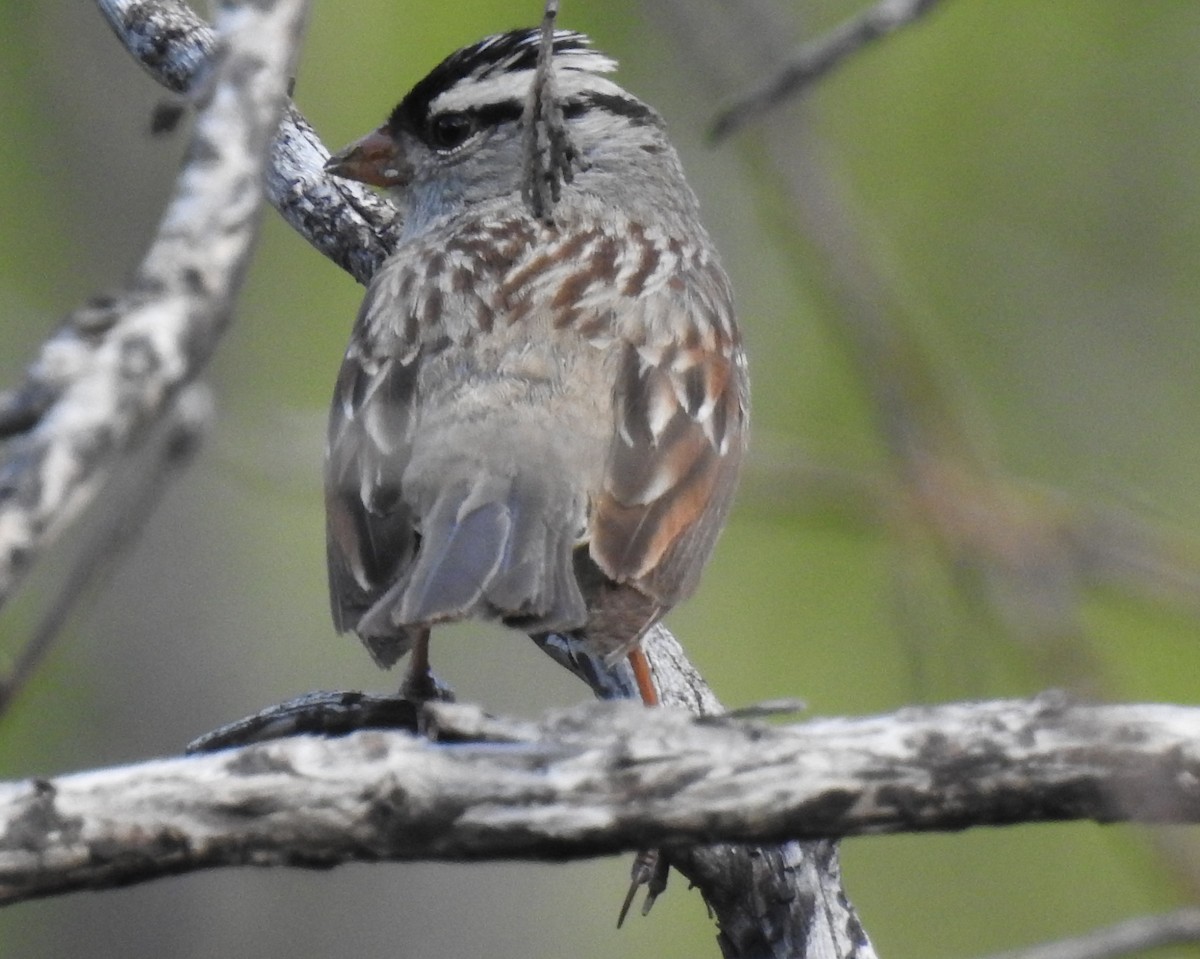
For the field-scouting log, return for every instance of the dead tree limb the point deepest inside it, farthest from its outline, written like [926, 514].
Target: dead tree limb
[595, 780]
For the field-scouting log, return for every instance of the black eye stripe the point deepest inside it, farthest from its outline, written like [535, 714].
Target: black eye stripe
[491, 115]
[632, 109]
[623, 106]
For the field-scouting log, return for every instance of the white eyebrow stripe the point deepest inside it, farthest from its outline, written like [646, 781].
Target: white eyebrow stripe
[474, 92]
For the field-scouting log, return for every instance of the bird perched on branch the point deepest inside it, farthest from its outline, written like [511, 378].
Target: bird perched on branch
[542, 411]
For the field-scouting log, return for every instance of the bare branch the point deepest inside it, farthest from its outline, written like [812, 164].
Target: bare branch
[173, 44]
[819, 58]
[596, 780]
[116, 366]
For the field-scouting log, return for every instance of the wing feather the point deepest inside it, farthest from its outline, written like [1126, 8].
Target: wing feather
[371, 530]
[680, 403]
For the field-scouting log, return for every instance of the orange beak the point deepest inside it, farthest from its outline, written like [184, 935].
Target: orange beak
[375, 159]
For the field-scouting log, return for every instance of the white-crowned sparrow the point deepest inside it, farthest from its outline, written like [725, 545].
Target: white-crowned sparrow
[536, 422]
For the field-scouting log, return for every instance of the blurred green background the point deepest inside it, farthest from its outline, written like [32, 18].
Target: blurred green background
[966, 269]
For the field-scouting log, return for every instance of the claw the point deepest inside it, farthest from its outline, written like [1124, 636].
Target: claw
[633, 888]
[650, 869]
[657, 884]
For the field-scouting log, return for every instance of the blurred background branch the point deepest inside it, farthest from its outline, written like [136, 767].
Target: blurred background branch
[814, 60]
[1180, 927]
[1020, 554]
[116, 367]
[176, 441]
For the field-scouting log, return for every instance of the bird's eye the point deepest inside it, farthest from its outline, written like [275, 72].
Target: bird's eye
[450, 130]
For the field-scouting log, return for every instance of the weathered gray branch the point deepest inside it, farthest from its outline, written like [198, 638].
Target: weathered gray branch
[596, 780]
[115, 367]
[344, 220]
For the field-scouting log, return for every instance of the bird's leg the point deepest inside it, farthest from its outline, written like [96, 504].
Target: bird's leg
[650, 866]
[645, 678]
[420, 685]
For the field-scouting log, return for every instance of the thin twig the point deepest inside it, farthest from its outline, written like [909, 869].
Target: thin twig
[550, 154]
[819, 58]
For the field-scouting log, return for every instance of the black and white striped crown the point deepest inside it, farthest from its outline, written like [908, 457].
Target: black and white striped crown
[497, 71]
[517, 51]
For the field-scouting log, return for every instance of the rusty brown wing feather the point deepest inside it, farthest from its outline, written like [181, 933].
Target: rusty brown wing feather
[681, 409]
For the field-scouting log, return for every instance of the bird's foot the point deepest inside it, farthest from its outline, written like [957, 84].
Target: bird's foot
[422, 686]
[650, 869]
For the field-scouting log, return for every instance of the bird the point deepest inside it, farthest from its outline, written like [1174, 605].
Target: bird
[539, 419]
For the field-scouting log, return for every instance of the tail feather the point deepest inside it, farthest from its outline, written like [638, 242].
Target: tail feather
[451, 575]
[489, 550]
[536, 589]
